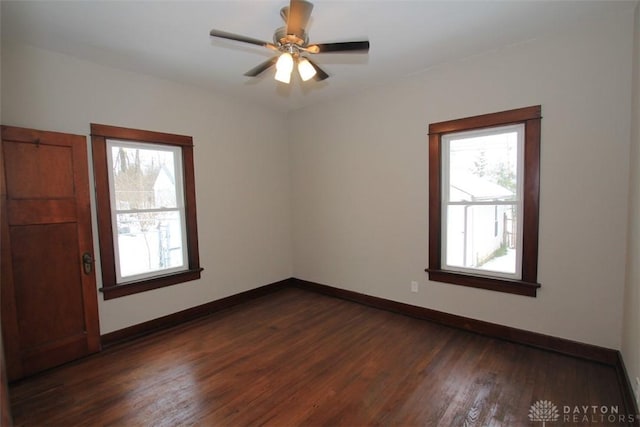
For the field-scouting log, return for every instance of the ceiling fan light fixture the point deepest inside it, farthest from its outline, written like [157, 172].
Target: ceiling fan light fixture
[284, 66]
[283, 76]
[305, 69]
[291, 41]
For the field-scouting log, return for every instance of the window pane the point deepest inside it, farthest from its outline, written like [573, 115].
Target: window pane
[149, 242]
[144, 178]
[483, 167]
[482, 237]
[147, 194]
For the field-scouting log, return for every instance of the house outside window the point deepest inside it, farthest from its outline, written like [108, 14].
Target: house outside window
[483, 198]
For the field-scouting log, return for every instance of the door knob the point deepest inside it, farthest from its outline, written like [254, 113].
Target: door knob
[87, 263]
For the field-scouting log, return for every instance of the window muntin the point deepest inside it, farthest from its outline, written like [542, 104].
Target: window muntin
[528, 214]
[147, 209]
[482, 201]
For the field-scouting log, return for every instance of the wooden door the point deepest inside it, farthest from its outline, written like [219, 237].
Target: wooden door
[48, 301]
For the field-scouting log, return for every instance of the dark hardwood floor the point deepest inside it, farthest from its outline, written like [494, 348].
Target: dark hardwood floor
[299, 358]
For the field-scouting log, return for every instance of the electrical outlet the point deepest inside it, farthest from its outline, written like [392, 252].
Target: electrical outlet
[414, 286]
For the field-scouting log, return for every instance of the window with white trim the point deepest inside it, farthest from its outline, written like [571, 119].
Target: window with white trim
[147, 208]
[482, 201]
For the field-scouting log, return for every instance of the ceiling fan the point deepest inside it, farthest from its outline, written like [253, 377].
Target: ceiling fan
[292, 44]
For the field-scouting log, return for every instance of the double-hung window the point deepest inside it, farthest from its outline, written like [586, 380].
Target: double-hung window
[146, 209]
[483, 192]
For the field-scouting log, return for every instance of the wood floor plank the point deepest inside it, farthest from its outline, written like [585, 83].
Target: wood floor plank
[299, 358]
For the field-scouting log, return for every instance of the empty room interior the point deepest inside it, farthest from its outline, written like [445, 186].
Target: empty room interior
[320, 213]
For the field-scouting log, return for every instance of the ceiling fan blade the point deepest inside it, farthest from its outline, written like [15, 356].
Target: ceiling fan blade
[353, 47]
[239, 38]
[259, 69]
[320, 74]
[298, 16]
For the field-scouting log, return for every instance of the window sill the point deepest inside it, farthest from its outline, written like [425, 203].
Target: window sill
[517, 287]
[116, 291]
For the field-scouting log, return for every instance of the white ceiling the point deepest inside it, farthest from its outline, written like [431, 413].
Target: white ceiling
[170, 39]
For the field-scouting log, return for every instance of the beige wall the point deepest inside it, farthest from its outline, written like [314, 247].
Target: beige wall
[359, 169]
[631, 325]
[241, 166]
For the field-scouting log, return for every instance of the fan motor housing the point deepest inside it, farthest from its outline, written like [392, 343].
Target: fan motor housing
[280, 37]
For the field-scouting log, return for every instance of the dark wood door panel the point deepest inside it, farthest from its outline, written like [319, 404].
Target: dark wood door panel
[53, 165]
[25, 212]
[48, 283]
[54, 354]
[49, 304]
